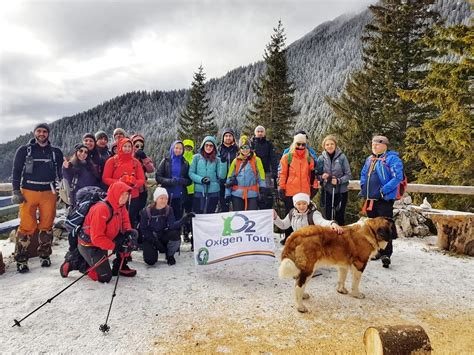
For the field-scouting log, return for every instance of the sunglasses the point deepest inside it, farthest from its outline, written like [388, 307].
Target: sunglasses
[139, 146]
[83, 151]
[209, 145]
[188, 147]
[244, 147]
[301, 144]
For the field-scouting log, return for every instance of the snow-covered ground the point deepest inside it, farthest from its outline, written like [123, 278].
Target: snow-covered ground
[228, 308]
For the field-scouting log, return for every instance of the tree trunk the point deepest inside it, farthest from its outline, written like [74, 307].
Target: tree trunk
[2, 264]
[396, 340]
[455, 233]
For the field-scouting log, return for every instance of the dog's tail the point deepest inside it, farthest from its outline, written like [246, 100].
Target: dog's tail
[288, 269]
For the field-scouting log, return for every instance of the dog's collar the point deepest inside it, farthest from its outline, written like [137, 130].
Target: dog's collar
[376, 246]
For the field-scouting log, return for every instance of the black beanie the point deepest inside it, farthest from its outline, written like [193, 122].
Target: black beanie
[88, 135]
[42, 125]
[79, 146]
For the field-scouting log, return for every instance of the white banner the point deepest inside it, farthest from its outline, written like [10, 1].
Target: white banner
[225, 236]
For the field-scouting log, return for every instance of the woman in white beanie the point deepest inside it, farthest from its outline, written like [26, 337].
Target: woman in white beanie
[302, 215]
[160, 229]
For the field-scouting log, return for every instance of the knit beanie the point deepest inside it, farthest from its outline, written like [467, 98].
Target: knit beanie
[42, 125]
[101, 134]
[88, 135]
[79, 146]
[244, 140]
[136, 138]
[299, 138]
[119, 130]
[301, 197]
[259, 128]
[158, 192]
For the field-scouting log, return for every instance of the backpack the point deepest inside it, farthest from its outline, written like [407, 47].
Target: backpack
[402, 186]
[310, 214]
[86, 197]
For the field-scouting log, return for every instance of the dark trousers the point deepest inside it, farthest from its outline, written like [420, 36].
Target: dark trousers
[199, 203]
[238, 204]
[167, 243]
[383, 208]
[288, 206]
[223, 205]
[136, 205]
[177, 206]
[340, 202]
[92, 255]
[188, 207]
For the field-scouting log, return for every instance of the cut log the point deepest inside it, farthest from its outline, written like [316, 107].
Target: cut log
[396, 340]
[455, 233]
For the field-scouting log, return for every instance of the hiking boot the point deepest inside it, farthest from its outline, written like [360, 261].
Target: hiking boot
[22, 267]
[385, 261]
[376, 256]
[45, 262]
[125, 271]
[171, 260]
[283, 241]
[186, 238]
[64, 269]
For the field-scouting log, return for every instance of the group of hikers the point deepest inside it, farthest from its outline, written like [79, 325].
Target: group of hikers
[235, 175]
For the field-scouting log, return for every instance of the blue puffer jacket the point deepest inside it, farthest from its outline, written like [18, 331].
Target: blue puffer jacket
[201, 167]
[389, 169]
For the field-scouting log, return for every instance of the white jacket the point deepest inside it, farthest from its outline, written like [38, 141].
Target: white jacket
[300, 220]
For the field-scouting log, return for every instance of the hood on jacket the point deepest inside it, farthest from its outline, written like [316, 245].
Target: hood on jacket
[172, 155]
[225, 131]
[188, 142]
[206, 139]
[120, 145]
[114, 192]
[34, 142]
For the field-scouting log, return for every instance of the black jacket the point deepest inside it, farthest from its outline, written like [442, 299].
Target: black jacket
[47, 163]
[163, 173]
[266, 152]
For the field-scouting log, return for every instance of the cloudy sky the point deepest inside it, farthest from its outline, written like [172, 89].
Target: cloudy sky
[58, 58]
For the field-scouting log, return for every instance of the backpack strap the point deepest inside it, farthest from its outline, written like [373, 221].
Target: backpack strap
[111, 211]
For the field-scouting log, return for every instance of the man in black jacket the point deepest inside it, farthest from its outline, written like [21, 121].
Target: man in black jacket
[36, 171]
[266, 152]
[227, 151]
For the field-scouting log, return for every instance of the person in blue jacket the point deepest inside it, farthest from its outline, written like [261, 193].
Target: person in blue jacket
[381, 175]
[205, 171]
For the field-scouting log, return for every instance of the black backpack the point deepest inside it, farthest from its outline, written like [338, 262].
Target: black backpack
[312, 209]
[86, 197]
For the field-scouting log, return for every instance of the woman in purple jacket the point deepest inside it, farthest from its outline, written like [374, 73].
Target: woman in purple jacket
[79, 171]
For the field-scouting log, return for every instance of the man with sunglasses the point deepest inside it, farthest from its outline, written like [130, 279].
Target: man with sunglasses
[36, 172]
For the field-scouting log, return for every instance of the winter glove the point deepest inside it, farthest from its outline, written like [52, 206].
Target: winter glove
[130, 242]
[206, 181]
[129, 180]
[223, 159]
[314, 192]
[17, 197]
[232, 182]
[282, 193]
[262, 193]
[140, 154]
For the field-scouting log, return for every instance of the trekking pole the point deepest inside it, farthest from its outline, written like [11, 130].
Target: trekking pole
[332, 203]
[206, 200]
[104, 258]
[104, 327]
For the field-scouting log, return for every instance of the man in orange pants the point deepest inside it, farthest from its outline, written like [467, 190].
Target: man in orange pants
[36, 170]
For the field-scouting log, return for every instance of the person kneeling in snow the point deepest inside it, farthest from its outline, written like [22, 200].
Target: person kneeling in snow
[160, 230]
[304, 214]
[107, 227]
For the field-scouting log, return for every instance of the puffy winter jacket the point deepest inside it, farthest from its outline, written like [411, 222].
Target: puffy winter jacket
[228, 153]
[297, 177]
[389, 169]
[246, 177]
[124, 167]
[202, 167]
[79, 175]
[338, 167]
[266, 152]
[98, 232]
[164, 175]
[153, 220]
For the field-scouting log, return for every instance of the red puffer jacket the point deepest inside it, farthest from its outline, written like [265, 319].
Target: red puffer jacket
[98, 232]
[124, 167]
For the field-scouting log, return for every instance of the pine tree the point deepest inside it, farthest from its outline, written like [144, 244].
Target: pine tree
[443, 142]
[273, 106]
[394, 57]
[196, 121]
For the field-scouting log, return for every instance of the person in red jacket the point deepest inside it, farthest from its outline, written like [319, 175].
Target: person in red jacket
[107, 227]
[124, 167]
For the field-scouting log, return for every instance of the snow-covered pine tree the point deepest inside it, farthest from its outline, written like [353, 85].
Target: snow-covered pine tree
[274, 94]
[196, 121]
[443, 142]
[394, 57]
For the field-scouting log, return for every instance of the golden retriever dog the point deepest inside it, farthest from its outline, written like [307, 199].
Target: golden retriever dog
[313, 246]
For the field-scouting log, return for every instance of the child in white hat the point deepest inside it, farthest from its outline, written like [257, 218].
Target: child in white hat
[302, 215]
